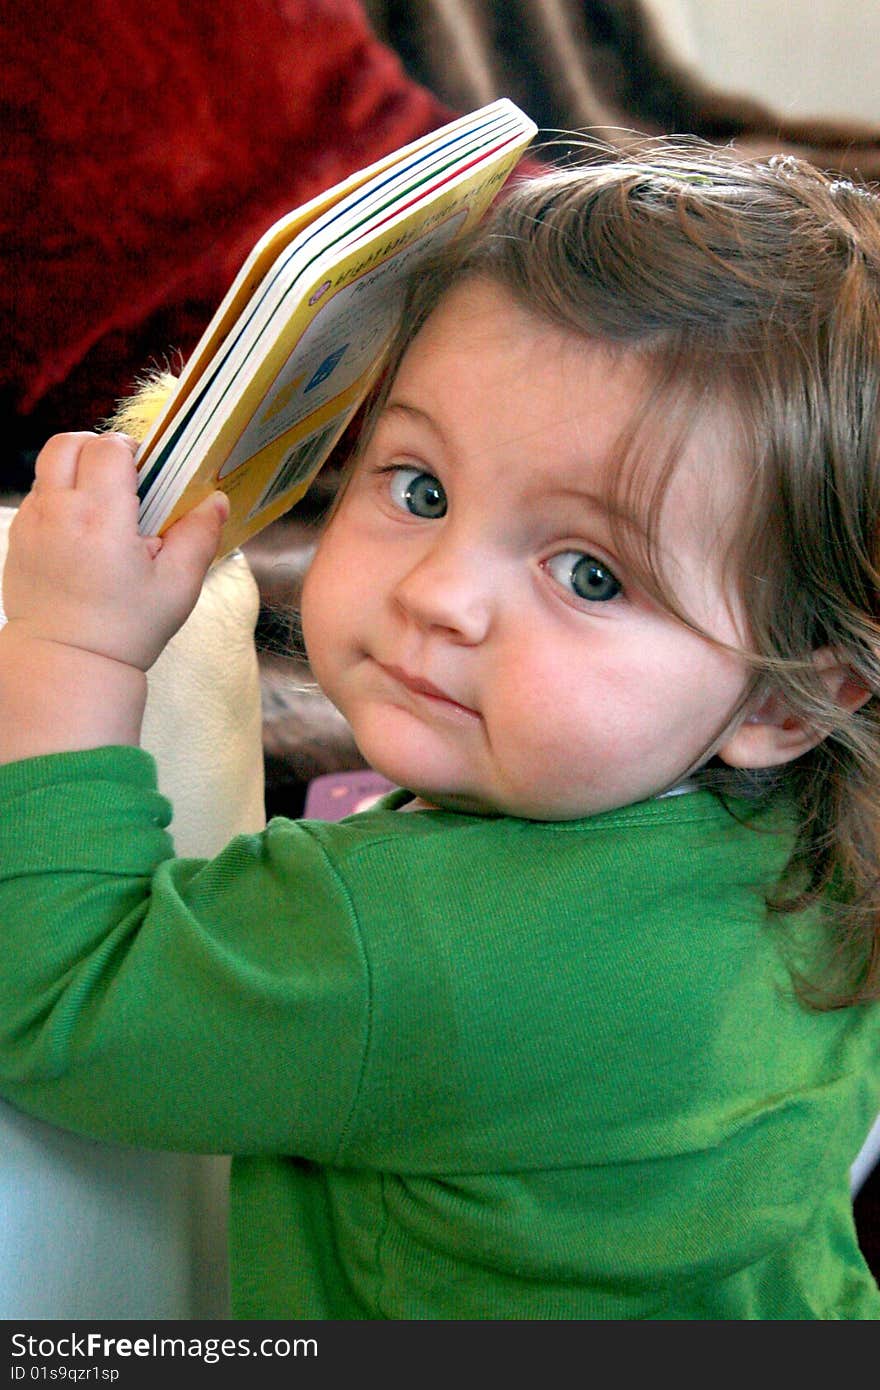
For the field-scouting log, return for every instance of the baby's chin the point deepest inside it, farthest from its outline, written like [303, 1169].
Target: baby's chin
[520, 803]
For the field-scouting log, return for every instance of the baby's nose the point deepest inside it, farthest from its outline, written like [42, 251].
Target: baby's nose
[450, 588]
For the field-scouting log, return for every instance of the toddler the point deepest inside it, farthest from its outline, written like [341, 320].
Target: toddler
[582, 1021]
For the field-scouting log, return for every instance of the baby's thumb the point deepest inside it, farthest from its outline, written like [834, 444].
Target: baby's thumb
[189, 546]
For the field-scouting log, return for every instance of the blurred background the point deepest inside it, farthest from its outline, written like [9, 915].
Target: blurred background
[799, 57]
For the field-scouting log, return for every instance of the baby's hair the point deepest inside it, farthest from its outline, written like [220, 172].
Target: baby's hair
[749, 288]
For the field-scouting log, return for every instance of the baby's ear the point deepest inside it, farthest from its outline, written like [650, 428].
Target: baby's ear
[772, 734]
[135, 414]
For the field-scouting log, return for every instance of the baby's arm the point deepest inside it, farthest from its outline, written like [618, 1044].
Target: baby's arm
[90, 603]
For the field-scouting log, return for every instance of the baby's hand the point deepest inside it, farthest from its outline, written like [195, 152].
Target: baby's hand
[78, 573]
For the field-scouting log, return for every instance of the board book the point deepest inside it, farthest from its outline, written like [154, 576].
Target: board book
[301, 334]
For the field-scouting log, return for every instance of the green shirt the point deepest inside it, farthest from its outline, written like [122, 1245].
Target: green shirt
[470, 1067]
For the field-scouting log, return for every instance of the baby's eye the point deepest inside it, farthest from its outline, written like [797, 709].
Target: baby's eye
[584, 575]
[419, 493]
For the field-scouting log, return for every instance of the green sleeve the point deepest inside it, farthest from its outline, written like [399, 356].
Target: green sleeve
[168, 1003]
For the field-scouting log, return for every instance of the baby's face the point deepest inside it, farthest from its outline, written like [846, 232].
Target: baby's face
[467, 610]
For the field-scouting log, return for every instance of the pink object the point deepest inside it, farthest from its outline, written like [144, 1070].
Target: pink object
[340, 794]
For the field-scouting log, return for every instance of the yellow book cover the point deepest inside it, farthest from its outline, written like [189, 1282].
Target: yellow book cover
[300, 336]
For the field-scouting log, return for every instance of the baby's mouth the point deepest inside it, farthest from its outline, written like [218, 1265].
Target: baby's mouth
[417, 685]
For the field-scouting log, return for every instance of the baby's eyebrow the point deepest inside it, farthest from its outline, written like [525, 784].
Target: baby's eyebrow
[407, 409]
[605, 505]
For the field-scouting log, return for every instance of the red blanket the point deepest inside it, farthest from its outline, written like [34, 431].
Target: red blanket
[148, 147]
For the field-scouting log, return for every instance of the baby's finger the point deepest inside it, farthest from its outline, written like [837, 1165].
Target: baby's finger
[58, 461]
[106, 466]
[190, 545]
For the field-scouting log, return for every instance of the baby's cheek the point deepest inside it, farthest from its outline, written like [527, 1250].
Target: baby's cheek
[322, 578]
[316, 616]
[541, 723]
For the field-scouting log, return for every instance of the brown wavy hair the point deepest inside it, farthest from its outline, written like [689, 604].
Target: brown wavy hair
[755, 284]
